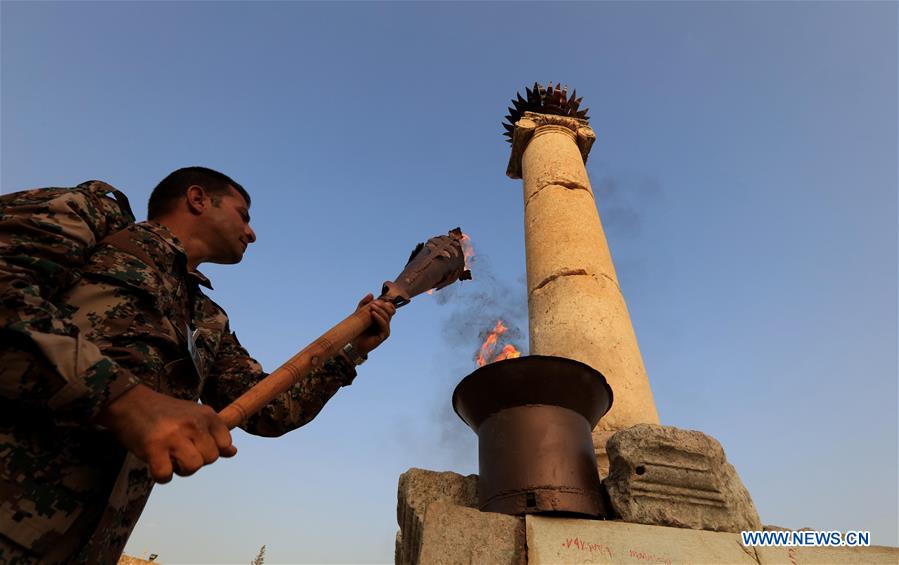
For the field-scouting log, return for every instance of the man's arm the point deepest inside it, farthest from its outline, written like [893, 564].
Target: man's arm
[235, 372]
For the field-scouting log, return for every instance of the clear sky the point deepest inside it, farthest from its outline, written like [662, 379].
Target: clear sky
[745, 170]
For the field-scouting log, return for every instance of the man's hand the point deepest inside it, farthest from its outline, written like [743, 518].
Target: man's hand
[169, 434]
[381, 313]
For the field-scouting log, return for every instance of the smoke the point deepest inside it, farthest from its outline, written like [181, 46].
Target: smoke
[473, 308]
[623, 203]
[629, 206]
[476, 306]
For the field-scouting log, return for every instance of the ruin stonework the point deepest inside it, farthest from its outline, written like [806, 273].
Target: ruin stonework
[666, 476]
[575, 305]
[440, 525]
[660, 476]
[566, 540]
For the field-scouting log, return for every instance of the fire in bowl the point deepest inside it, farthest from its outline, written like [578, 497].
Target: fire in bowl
[533, 416]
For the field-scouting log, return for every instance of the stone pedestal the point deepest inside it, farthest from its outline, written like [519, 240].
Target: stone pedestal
[575, 305]
[441, 524]
[565, 540]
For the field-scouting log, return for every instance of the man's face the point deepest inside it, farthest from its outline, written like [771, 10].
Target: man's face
[228, 226]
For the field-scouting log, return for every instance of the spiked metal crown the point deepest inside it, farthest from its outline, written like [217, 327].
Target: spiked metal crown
[548, 100]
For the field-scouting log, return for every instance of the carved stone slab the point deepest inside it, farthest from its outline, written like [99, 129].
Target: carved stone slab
[671, 477]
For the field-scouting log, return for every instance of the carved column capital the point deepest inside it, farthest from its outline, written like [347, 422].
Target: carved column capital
[525, 128]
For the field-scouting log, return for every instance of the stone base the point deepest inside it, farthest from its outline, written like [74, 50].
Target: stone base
[566, 540]
[600, 438]
[440, 523]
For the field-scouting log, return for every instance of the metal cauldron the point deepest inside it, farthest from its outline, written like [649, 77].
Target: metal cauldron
[533, 416]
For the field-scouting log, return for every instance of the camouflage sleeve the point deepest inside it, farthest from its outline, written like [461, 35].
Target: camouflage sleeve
[234, 372]
[47, 361]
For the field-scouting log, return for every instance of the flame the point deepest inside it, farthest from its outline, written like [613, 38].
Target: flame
[489, 344]
[508, 352]
[467, 251]
[487, 354]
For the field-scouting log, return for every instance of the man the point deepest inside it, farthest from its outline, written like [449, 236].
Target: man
[101, 369]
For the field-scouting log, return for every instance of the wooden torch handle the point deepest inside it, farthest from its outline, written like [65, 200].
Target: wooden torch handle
[296, 368]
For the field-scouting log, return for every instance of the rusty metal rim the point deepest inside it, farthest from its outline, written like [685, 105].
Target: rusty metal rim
[533, 380]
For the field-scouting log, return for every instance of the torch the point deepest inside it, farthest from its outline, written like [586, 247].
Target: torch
[433, 264]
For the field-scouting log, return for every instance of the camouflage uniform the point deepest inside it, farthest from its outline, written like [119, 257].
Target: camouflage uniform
[77, 330]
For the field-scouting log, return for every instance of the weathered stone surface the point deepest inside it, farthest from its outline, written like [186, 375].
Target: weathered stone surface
[567, 540]
[774, 528]
[671, 477]
[418, 488]
[455, 534]
[600, 439]
[874, 554]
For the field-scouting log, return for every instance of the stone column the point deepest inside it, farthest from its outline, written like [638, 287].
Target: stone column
[575, 305]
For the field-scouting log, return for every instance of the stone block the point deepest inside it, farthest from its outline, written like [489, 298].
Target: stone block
[671, 477]
[418, 488]
[567, 540]
[600, 439]
[873, 555]
[455, 534]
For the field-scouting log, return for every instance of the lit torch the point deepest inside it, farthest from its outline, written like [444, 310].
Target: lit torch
[434, 264]
[467, 257]
[467, 251]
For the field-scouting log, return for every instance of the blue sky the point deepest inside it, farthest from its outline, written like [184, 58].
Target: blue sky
[745, 171]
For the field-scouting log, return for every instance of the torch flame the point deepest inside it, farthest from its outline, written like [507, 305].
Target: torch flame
[467, 256]
[467, 251]
[486, 353]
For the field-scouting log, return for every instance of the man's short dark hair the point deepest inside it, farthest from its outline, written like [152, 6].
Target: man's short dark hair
[172, 187]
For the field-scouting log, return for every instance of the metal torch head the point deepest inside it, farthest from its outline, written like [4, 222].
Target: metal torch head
[433, 264]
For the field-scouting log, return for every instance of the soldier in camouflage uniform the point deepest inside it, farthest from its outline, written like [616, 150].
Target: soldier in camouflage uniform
[107, 342]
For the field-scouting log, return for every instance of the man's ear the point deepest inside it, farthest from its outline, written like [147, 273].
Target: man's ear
[197, 199]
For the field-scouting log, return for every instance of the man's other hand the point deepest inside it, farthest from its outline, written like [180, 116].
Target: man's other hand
[169, 434]
[381, 313]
